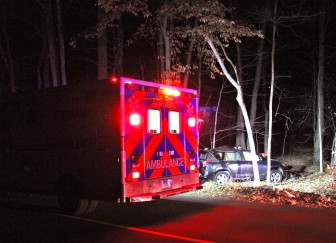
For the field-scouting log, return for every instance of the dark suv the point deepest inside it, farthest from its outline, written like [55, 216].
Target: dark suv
[225, 163]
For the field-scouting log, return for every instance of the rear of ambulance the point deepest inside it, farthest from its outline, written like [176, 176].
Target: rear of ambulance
[159, 136]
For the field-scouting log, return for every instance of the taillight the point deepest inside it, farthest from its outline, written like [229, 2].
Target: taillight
[192, 166]
[135, 175]
[134, 119]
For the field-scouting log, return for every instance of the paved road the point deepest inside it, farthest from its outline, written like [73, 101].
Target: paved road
[178, 219]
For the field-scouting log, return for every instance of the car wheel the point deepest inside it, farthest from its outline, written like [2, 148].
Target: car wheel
[222, 177]
[276, 176]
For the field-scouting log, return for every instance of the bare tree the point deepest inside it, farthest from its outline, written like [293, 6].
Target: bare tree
[258, 72]
[61, 42]
[270, 109]
[240, 99]
[318, 143]
[216, 30]
[110, 13]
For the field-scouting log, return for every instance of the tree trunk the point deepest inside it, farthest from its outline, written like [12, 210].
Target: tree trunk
[164, 23]
[270, 109]
[189, 56]
[256, 84]
[333, 153]
[188, 64]
[318, 151]
[51, 45]
[102, 47]
[61, 42]
[199, 76]
[160, 63]
[266, 130]
[43, 63]
[240, 137]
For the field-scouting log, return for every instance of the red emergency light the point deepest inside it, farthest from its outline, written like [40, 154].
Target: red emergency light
[113, 79]
[171, 92]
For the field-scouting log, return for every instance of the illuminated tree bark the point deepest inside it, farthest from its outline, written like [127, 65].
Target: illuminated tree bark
[318, 144]
[240, 99]
[270, 109]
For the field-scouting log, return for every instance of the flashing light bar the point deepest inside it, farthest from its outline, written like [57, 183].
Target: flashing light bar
[171, 92]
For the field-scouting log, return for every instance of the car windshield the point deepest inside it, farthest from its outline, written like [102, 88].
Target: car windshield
[203, 155]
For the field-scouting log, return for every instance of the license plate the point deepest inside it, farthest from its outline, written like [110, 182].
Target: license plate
[167, 184]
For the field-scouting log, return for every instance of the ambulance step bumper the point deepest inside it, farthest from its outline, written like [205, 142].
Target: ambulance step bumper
[163, 194]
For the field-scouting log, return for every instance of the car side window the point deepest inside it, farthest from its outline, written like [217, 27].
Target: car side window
[219, 156]
[232, 156]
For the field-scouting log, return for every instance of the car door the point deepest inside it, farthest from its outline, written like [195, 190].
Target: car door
[262, 165]
[236, 164]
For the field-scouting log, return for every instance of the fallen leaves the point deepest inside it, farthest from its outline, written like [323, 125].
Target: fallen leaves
[310, 189]
[287, 196]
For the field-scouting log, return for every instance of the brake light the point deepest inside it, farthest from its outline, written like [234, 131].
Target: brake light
[134, 119]
[192, 166]
[191, 121]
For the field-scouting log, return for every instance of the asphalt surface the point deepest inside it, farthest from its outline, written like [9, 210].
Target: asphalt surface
[182, 218]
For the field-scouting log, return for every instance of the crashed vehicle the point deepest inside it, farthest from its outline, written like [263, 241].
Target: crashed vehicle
[224, 164]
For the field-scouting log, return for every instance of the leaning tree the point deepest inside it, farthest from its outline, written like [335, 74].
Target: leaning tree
[217, 30]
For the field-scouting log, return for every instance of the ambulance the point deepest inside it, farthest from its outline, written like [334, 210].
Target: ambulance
[120, 140]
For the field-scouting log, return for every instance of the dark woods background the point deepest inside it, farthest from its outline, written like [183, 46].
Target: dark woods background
[45, 44]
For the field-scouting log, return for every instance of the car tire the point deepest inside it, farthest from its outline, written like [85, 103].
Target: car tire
[276, 176]
[222, 177]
